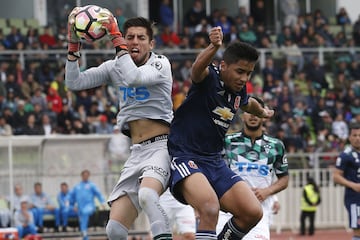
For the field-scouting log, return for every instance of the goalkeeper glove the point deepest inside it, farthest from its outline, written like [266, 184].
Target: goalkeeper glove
[109, 23]
[72, 38]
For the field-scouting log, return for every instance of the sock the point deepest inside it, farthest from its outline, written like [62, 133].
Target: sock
[231, 231]
[355, 238]
[159, 222]
[164, 236]
[205, 235]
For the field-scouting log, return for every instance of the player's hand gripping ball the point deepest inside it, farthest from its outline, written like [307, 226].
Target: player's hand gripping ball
[87, 23]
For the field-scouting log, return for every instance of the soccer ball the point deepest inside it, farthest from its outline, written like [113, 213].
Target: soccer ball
[86, 24]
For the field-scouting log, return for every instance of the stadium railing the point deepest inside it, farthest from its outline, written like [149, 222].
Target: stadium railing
[60, 158]
[329, 56]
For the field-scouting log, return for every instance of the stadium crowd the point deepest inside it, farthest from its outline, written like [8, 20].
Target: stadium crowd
[314, 103]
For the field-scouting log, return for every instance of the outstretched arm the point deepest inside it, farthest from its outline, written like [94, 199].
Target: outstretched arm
[254, 107]
[199, 68]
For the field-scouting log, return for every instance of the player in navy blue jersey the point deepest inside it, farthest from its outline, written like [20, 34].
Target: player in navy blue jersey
[200, 177]
[347, 173]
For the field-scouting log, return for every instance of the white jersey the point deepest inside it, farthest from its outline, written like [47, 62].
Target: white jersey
[144, 92]
[257, 163]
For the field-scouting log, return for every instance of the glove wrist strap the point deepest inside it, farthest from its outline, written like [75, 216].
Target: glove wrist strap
[74, 47]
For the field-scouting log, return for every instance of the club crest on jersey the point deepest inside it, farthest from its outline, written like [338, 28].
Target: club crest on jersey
[157, 65]
[224, 113]
[237, 102]
[192, 165]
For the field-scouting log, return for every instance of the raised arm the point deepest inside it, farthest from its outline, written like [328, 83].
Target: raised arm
[199, 69]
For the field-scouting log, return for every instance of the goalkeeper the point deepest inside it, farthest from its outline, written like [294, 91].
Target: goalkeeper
[143, 80]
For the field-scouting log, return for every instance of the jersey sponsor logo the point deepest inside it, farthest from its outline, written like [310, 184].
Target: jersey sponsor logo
[252, 167]
[137, 93]
[158, 170]
[224, 113]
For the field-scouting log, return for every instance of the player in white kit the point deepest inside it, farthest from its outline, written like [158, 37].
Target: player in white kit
[181, 217]
[143, 80]
[261, 161]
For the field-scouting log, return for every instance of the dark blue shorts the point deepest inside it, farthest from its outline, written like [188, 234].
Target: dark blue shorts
[219, 175]
[353, 209]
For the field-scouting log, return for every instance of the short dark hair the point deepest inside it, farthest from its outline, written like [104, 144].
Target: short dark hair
[240, 51]
[139, 22]
[354, 125]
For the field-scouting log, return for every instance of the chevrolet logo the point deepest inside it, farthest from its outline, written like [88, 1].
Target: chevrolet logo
[224, 113]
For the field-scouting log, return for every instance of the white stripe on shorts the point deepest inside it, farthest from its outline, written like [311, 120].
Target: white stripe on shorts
[353, 216]
[183, 170]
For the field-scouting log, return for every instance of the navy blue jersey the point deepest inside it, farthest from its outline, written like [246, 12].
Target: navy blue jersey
[349, 162]
[201, 122]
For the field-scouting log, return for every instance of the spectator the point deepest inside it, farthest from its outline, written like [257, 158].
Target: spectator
[24, 219]
[66, 210]
[41, 204]
[247, 35]
[38, 98]
[47, 38]
[258, 12]
[29, 86]
[166, 14]
[356, 31]
[342, 17]
[5, 128]
[224, 23]
[59, 84]
[55, 99]
[14, 200]
[83, 196]
[31, 128]
[64, 119]
[19, 118]
[293, 54]
[79, 127]
[11, 85]
[13, 38]
[283, 36]
[194, 15]
[169, 38]
[291, 11]
[340, 128]
[119, 15]
[46, 125]
[104, 127]
[6, 215]
[309, 201]
[110, 112]
[316, 73]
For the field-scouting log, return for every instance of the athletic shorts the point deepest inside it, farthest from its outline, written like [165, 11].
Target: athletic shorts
[353, 209]
[260, 231]
[219, 175]
[147, 159]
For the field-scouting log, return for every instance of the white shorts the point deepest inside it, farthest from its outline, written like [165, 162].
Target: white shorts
[150, 159]
[261, 231]
[181, 216]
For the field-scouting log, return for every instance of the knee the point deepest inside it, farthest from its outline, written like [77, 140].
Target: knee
[209, 210]
[147, 195]
[116, 231]
[254, 215]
